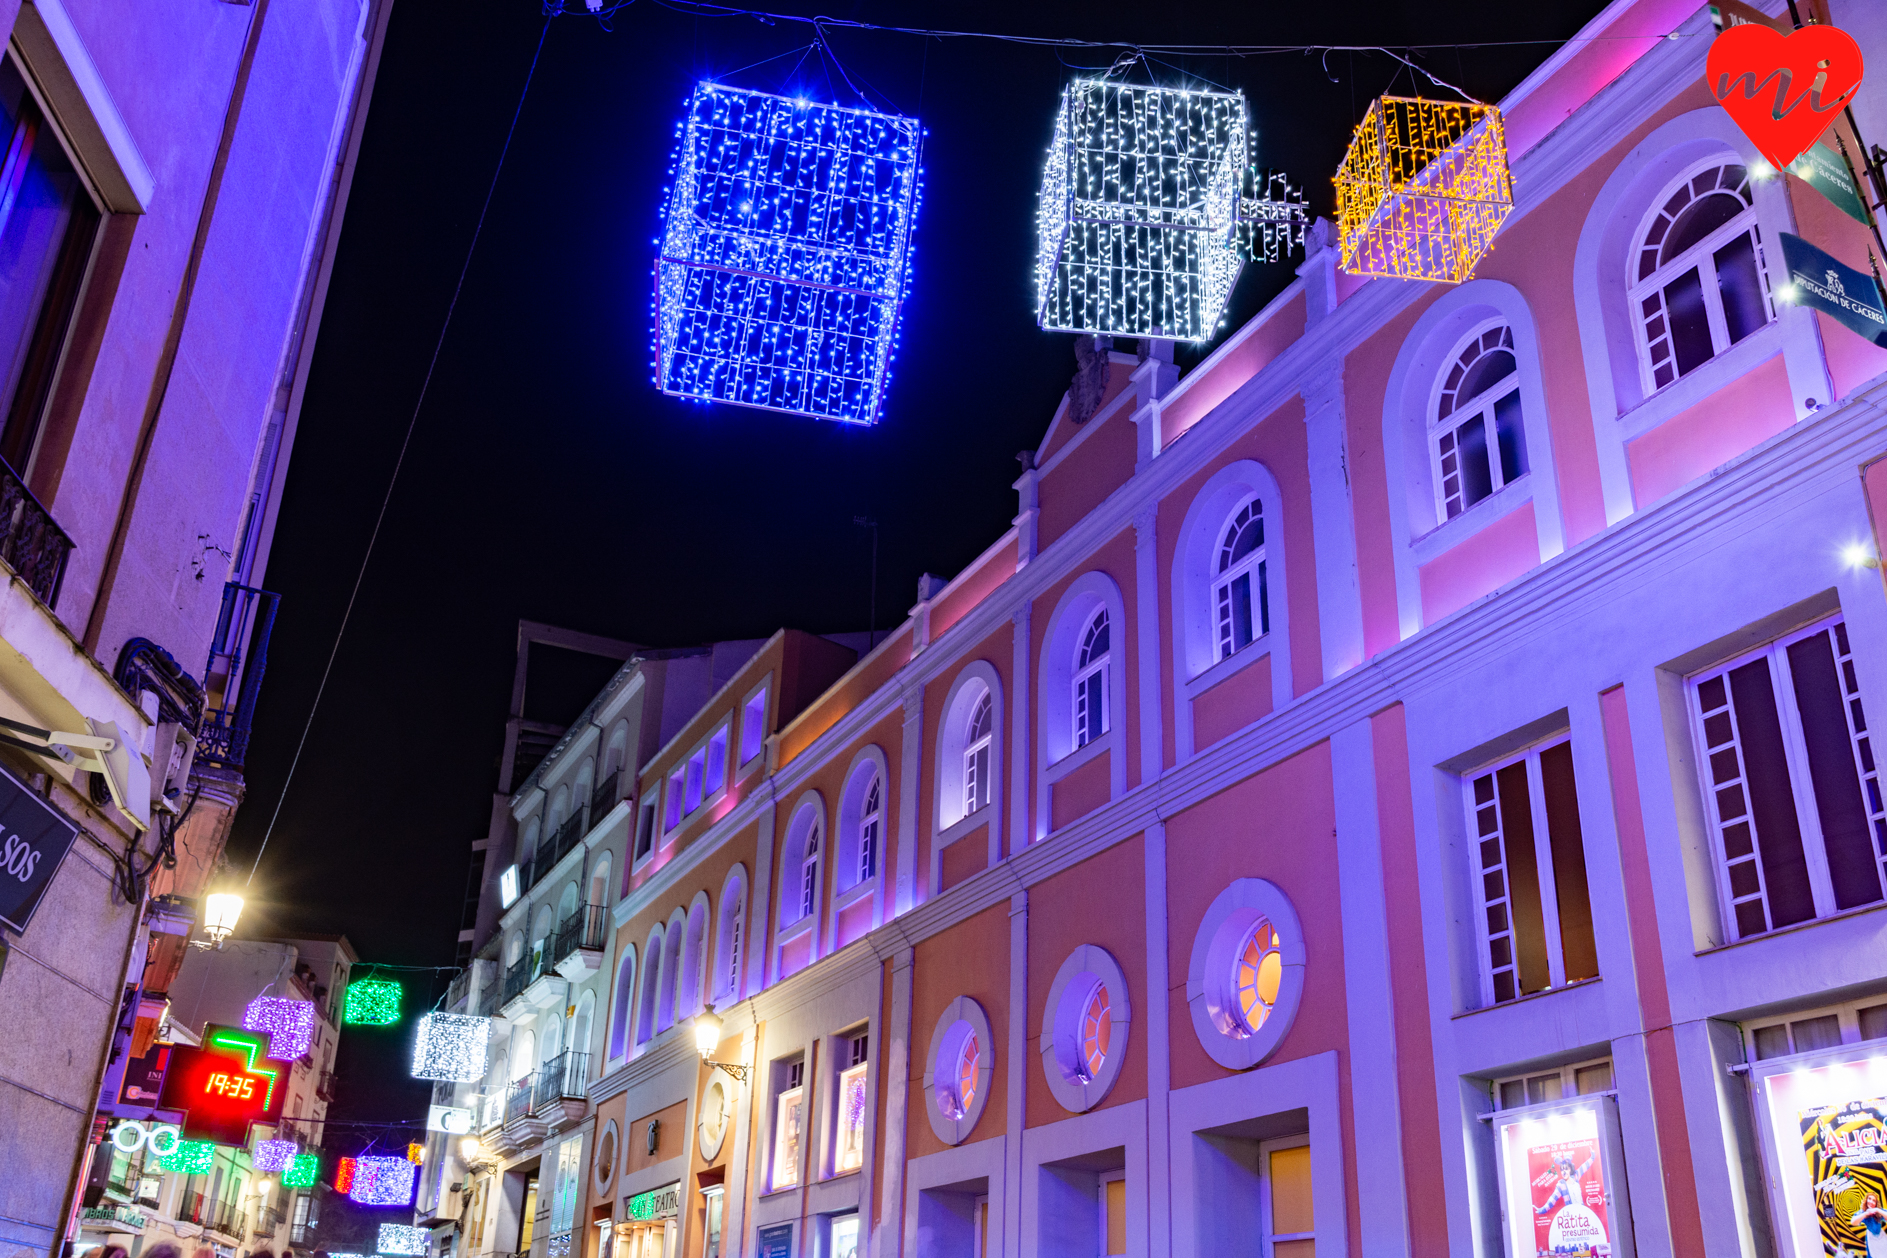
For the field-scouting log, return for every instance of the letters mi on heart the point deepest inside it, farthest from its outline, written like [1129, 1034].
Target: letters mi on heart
[1783, 90]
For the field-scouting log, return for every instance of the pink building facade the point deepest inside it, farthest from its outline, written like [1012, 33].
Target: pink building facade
[1403, 787]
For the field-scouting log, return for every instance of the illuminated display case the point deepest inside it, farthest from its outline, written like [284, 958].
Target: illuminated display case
[1821, 1118]
[1562, 1179]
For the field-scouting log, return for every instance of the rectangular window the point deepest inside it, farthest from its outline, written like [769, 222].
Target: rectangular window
[1530, 866]
[1288, 1220]
[789, 1112]
[845, 1236]
[1791, 787]
[717, 763]
[645, 832]
[976, 777]
[849, 1153]
[753, 726]
[676, 781]
[1114, 1213]
[697, 775]
[48, 224]
[1824, 1028]
[1091, 706]
[1581, 1079]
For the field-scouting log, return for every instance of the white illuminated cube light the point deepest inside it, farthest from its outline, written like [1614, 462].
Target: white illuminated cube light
[1137, 220]
[397, 1238]
[785, 254]
[451, 1047]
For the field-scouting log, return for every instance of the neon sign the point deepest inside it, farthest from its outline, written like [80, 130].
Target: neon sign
[224, 1085]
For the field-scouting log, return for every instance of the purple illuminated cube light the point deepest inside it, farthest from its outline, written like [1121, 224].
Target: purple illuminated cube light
[274, 1155]
[383, 1181]
[290, 1025]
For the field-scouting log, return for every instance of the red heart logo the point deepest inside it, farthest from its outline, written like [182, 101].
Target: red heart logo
[1783, 90]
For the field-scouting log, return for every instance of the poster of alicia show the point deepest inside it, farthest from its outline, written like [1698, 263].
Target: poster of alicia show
[1567, 1181]
[1846, 1146]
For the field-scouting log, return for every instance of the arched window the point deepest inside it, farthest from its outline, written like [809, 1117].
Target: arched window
[523, 1055]
[1241, 600]
[580, 1027]
[730, 937]
[667, 1013]
[1697, 284]
[870, 831]
[688, 996]
[651, 987]
[1476, 440]
[553, 1040]
[541, 930]
[527, 846]
[806, 877]
[599, 882]
[976, 752]
[1090, 687]
[625, 998]
[580, 794]
[861, 822]
[567, 909]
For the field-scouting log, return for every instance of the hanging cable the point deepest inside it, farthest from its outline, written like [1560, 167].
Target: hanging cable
[400, 461]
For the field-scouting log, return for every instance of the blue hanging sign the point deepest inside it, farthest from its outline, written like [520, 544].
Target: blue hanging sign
[34, 839]
[775, 1241]
[1820, 282]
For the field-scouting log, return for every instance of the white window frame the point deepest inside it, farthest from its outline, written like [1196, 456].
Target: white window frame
[1223, 579]
[730, 937]
[975, 784]
[753, 723]
[1568, 1076]
[1699, 257]
[1847, 1015]
[649, 816]
[1479, 406]
[1270, 1237]
[862, 1072]
[783, 1099]
[1801, 785]
[1085, 667]
[1542, 863]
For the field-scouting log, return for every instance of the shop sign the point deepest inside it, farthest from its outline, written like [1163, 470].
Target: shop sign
[123, 1215]
[1558, 1183]
[1821, 282]
[224, 1086]
[144, 1077]
[658, 1203]
[34, 838]
[775, 1242]
[1828, 1137]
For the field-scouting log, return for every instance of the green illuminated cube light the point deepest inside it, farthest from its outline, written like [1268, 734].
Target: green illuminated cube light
[190, 1157]
[373, 1002]
[301, 1172]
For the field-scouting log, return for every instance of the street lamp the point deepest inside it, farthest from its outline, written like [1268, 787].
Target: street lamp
[708, 1038]
[220, 912]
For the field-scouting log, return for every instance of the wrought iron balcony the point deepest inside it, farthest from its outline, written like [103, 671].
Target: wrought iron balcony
[193, 1209]
[604, 797]
[517, 978]
[521, 1103]
[582, 929]
[324, 1085]
[31, 543]
[239, 653]
[566, 1075]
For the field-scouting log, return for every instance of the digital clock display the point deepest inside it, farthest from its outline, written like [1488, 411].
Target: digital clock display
[224, 1085]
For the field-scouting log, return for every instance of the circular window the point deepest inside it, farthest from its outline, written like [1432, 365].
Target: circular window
[956, 1076]
[1247, 973]
[606, 1146]
[1084, 1028]
[716, 1110]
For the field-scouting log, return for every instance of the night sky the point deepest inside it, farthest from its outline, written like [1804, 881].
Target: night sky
[548, 480]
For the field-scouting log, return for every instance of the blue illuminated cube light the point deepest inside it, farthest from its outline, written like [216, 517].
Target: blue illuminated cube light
[1138, 217]
[785, 254]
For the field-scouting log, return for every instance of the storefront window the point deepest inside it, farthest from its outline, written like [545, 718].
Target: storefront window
[1561, 1180]
[1824, 1122]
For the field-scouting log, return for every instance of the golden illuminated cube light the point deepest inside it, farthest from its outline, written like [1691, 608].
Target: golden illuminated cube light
[1423, 189]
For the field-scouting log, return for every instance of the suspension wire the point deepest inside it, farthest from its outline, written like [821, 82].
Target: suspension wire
[400, 461]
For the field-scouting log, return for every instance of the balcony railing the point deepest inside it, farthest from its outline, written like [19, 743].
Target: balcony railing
[324, 1085]
[238, 655]
[227, 1219]
[582, 929]
[565, 1075]
[490, 996]
[521, 1101]
[517, 978]
[604, 797]
[192, 1210]
[30, 542]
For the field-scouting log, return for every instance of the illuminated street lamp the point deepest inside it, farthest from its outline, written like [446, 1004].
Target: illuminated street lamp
[220, 912]
[707, 1038]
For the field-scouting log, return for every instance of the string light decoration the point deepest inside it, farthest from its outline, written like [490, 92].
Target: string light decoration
[1137, 217]
[1423, 189]
[271, 1156]
[302, 1171]
[373, 1002]
[382, 1181]
[398, 1238]
[785, 254]
[344, 1175]
[451, 1047]
[190, 1157]
[1273, 215]
[289, 1024]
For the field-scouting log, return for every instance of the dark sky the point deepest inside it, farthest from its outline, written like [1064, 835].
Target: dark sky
[548, 480]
